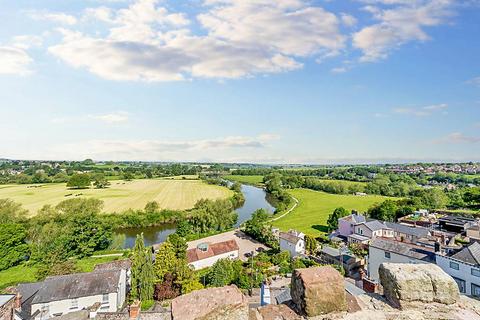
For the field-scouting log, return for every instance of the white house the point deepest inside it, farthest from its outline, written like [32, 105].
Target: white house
[464, 268]
[293, 242]
[60, 295]
[206, 254]
[386, 250]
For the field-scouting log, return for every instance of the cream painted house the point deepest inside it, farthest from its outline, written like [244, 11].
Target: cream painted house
[104, 291]
[206, 254]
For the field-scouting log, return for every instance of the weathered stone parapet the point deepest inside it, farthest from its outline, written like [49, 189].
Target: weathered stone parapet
[405, 283]
[226, 303]
[318, 291]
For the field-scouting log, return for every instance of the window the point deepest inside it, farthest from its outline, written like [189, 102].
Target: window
[461, 284]
[475, 290]
[74, 304]
[105, 298]
[387, 255]
[475, 272]
[454, 265]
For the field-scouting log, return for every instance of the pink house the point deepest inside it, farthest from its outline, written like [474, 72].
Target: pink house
[346, 225]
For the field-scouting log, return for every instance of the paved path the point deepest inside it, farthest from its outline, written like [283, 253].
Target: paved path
[288, 211]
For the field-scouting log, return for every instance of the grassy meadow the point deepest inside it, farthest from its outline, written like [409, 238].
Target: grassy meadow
[253, 180]
[120, 195]
[311, 214]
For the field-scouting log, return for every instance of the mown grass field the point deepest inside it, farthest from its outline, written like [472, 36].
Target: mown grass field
[253, 180]
[26, 273]
[120, 195]
[311, 214]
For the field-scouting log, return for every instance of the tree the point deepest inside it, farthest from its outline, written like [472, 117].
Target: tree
[100, 181]
[332, 221]
[142, 271]
[152, 207]
[221, 273]
[11, 212]
[165, 261]
[385, 211]
[432, 198]
[13, 246]
[79, 181]
[128, 176]
[179, 245]
[310, 244]
[259, 228]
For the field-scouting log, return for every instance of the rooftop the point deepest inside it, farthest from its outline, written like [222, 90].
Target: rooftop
[470, 254]
[211, 250]
[402, 228]
[124, 264]
[5, 298]
[290, 237]
[71, 286]
[355, 218]
[375, 225]
[409, 250]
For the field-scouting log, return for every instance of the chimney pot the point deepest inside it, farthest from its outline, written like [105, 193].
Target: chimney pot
[134, 310]
[18, 301]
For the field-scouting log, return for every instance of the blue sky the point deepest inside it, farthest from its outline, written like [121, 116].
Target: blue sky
[241, 80]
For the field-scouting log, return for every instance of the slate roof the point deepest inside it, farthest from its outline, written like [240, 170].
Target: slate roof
[124, 264]
[470, 254]
[420, 232]
[375, 225]
[71, 286]
[5, 298]
[409, 250]
[215, 249]
[290, 237]
[355, 218]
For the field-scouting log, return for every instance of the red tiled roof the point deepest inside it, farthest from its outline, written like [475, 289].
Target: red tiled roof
[214, 249]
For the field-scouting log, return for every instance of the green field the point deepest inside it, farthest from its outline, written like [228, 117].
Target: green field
[253, 180]
[25, 273]
[314, 207]
[120, 195]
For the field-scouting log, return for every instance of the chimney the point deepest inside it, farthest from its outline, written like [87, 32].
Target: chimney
[134, 310]
[18, 301]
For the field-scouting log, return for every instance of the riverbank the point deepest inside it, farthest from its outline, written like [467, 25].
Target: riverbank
[255, 198]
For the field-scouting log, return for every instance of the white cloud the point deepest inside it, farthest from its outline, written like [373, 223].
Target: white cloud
[339, 70]
[399, 24]
[422, 111]
[57, 17]
[146, 42]
[458, 137]
[27, 41]
[348, 20]
[14, 61]
[158, 149]
[111, 118]
[475, 81]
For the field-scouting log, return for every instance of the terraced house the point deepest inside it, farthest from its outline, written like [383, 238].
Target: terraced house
[464, 268]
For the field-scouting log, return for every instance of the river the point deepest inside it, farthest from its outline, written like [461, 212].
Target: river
[255, 198]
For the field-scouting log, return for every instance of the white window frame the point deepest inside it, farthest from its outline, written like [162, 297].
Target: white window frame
[475, 272]
[454, 265]
[73, 303]
[387, 255]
